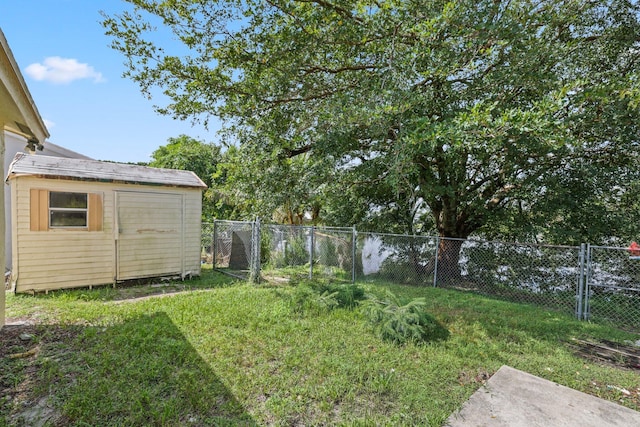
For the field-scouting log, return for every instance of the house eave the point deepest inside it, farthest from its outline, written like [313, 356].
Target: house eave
[18, 112]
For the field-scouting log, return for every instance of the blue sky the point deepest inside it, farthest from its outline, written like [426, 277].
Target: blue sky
[76, 81]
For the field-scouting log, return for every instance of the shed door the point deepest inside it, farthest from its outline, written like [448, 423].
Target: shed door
[149, 240]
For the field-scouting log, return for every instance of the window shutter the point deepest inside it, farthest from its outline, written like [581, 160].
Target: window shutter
[95, 212]
[39, 210]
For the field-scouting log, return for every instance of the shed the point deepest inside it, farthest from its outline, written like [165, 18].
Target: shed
[79, 222]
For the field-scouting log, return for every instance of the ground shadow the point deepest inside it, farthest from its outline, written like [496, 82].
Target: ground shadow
[142, 371]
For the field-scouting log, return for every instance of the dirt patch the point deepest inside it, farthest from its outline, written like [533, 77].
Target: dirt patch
[616, 355]
[479, 376]
[608, 352]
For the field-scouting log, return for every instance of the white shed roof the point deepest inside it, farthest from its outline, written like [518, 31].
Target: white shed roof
[94, 170]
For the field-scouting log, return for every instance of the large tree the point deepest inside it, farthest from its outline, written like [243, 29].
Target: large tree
[465, 106]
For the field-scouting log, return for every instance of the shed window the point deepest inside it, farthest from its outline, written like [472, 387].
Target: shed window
[57, 209]
[67, 209]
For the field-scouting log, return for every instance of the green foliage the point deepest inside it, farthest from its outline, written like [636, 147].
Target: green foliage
[306, 299]
[283, 190]
[186, 153]
[325, 295]
[402, 323]
[418, 115]
[404, 271]
[265, 246]
[295, 253]
[347, 295]
[327, 252]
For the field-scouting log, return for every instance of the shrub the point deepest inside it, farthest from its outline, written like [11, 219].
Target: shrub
[265, 246]
[327, 252]
[402, 323]
[304, 298]
[296, 252]
[322, 296]
[347, 295]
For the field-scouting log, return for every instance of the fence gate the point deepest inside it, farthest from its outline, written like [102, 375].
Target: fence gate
[612, 291]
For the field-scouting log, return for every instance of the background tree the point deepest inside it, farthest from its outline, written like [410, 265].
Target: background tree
[187, 153]
[288, 190]
[467, 107]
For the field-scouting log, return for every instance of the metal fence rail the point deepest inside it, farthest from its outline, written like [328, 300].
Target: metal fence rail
[591, 282]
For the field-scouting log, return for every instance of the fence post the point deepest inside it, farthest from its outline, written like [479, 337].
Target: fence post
[354, 253]
[213, 245]
[580, 295]
[435, 263]
[585, 309]
[254, 273]
[311, 250]
[258, 249]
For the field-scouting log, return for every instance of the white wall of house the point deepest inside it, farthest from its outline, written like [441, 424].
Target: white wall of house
[18, 144]
[18, 114]
[3, 213]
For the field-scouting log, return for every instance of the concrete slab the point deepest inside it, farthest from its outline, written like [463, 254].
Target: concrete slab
[517, 399]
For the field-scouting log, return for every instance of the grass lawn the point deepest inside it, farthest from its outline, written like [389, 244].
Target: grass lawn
[230, 353]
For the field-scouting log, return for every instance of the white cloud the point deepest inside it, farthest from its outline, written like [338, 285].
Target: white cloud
[62, 71]
[48, 123]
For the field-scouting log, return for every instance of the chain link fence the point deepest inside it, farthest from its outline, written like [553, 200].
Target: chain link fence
[334, 253]
[396, 258]
[543, 275]
[230, 247]
[286, 252]
[590, 282]
[300, 252]
[612, 291]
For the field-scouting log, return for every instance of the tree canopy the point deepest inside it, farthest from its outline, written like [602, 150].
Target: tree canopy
[187, 153]
[467, 110]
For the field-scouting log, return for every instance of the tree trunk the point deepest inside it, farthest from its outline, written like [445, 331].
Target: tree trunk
[448, 272]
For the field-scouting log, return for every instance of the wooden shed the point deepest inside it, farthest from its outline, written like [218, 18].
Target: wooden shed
[83, 222]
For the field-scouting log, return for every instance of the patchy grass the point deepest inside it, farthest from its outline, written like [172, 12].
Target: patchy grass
[241, 355]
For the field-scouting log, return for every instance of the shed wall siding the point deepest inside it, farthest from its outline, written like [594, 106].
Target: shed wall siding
[150, 236]
[65, 258]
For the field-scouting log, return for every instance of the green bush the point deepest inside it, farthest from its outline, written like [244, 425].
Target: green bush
[401, 323]
[296, 252]
[347, 295]
[327, 252]
[305, 298]
[265, 246]
[322, 296]
[293, 253]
